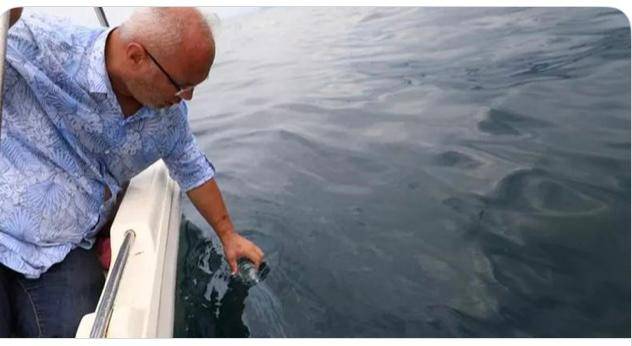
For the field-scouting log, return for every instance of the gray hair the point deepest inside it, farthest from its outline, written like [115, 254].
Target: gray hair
[160, 29]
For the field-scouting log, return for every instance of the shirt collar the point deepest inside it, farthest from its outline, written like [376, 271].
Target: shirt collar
[97, 76]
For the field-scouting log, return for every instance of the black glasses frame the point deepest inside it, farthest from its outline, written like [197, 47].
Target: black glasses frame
[178, 87]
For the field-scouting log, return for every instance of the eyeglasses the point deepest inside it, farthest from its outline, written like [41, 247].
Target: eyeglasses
[180, 90]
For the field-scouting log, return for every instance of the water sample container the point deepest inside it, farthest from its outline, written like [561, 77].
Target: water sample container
[248, 274]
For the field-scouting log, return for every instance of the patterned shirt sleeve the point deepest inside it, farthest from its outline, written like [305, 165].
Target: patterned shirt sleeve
[187, 164]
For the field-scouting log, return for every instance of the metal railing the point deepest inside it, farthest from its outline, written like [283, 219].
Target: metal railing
[4, 28]
[101, 15]
[104, 310]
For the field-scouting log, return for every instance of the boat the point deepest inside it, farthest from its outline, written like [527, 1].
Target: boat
[138, 297]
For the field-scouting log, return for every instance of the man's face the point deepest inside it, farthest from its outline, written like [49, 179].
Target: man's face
[162, 81]
[151, 91]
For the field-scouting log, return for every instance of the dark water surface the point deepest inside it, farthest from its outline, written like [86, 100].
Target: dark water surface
[417, 172]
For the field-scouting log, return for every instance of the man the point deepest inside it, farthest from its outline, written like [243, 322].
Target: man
[84, 111]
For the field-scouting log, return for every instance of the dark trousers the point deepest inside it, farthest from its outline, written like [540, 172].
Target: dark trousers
[53, 304]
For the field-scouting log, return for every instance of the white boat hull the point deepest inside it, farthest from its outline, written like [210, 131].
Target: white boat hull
[144, 304]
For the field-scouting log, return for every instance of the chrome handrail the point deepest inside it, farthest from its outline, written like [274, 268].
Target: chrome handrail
[104, 310]
[4, 28]
[101, 15]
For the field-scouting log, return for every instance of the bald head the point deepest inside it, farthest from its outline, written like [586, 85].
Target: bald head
[169, 31]
[159, 55]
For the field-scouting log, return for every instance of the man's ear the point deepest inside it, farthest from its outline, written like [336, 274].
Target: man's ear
[135, 54]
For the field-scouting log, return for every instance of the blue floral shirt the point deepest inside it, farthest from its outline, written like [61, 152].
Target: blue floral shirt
[64, 140]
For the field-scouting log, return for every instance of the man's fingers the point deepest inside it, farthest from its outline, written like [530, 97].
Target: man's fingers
[233, 266]
[260, 258]
[245, 249]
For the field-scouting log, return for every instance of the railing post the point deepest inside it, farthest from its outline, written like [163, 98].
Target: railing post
[101, 15]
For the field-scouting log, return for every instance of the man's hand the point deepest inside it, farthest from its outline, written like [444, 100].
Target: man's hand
[236, 247]
[209, 202]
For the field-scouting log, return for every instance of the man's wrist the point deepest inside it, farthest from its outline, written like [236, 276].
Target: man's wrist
[225, 231]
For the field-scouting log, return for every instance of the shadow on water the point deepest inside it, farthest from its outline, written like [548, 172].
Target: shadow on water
[212, 303]
[209, 303]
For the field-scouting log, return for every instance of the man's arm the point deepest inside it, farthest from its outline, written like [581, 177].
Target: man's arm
[207, 198]
[14, 15]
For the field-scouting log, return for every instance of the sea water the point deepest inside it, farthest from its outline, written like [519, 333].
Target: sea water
[417, 172]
